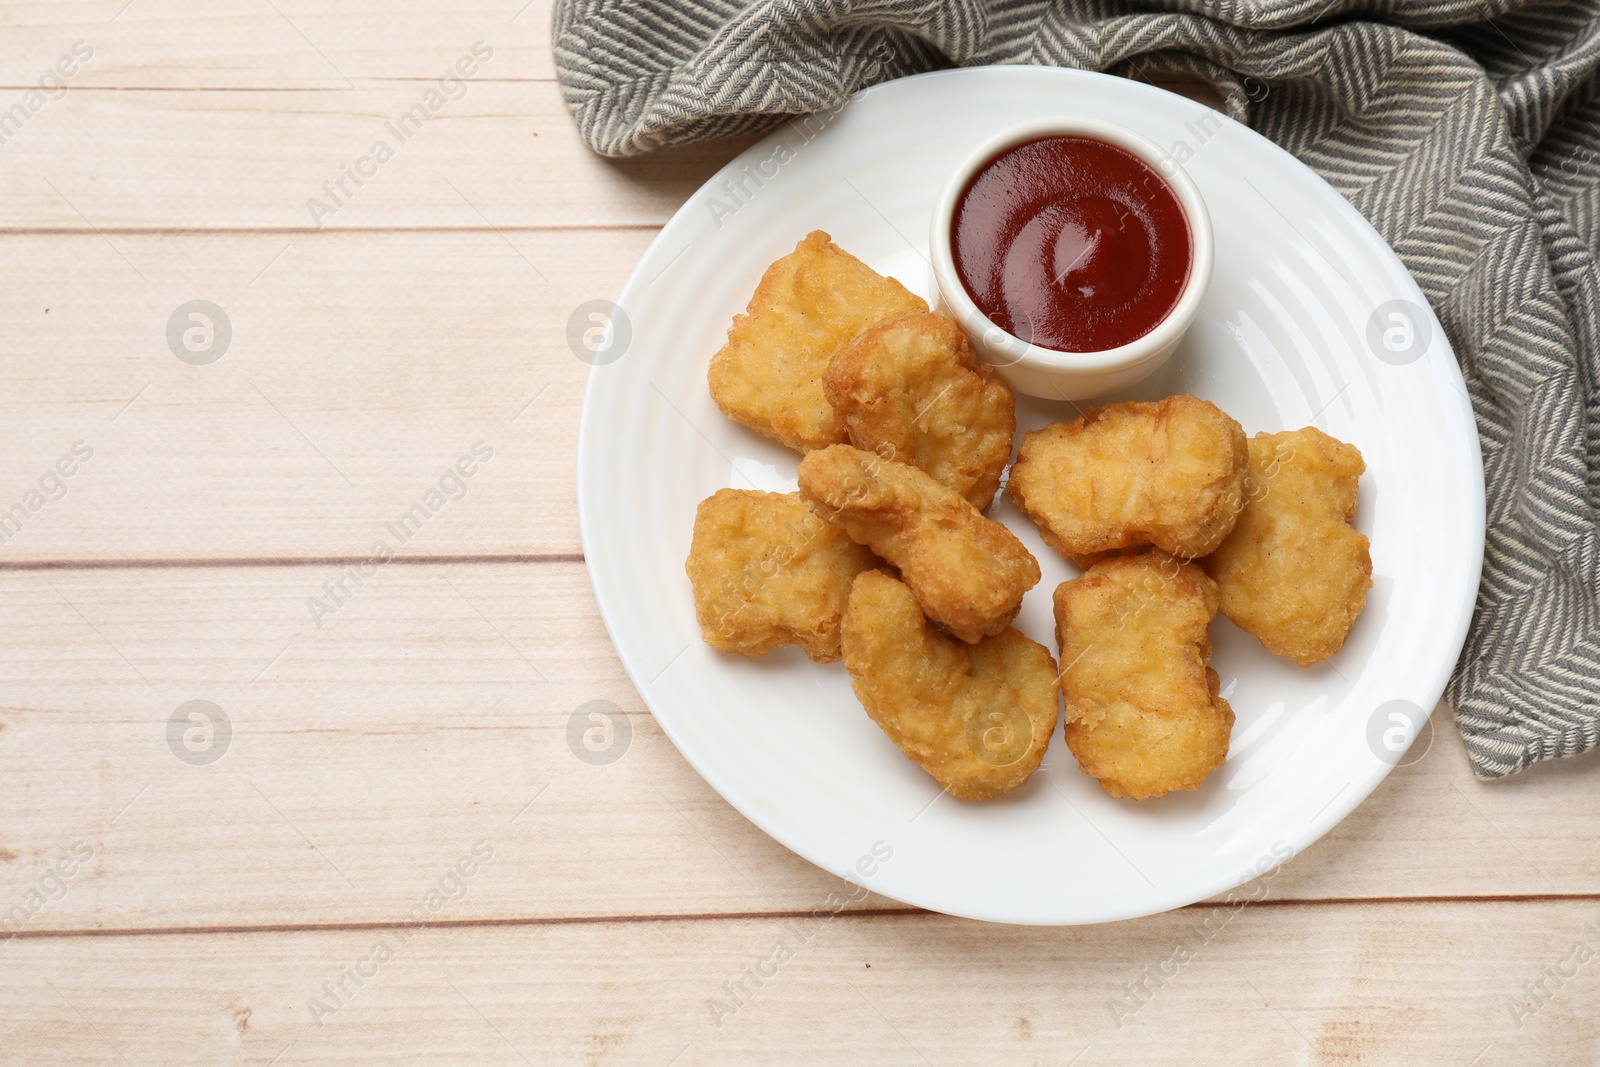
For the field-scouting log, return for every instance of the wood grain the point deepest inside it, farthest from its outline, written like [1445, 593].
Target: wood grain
[285, 44]
[430, 709]
[504, 155]
[1361, 984]
[361, 367]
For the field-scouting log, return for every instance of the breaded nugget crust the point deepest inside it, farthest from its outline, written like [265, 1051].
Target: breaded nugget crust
[1143, 714]
[809, 303]
[1294, 572]
[976, 717]
[967, 572]
[912, 390]
[767, 572]
[1168, 473]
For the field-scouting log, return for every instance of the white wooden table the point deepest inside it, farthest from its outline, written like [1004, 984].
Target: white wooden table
[163, 909]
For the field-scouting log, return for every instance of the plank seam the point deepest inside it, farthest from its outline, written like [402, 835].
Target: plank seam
[232, 231]
[740, 916]
[279, 561]
[371, 83]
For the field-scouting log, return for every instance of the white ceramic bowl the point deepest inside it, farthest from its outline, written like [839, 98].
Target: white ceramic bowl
[1045, 372]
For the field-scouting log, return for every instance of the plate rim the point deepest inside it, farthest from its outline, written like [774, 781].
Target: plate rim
[1307, 834]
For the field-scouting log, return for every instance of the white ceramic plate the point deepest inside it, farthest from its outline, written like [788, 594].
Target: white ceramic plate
[1293, 332]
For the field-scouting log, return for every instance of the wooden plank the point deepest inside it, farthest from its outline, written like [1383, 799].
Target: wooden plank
[501, 155]
[431, 709]
[286, 44]
[360, 367]
[1448, 983]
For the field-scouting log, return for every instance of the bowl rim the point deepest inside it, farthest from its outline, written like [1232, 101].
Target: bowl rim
[1019, 352]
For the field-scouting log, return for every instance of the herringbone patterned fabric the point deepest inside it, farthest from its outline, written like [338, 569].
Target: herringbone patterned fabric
[1468, 131]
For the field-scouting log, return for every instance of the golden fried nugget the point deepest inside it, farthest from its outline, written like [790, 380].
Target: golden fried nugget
[911, 389]
[1294, 572]
[767, 572]
[976, 717]
[1168, 473]
[1143, 714]
[809, 304]
[967, 572]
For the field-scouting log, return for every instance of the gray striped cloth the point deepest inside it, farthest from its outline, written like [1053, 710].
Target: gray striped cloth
[1468, 131]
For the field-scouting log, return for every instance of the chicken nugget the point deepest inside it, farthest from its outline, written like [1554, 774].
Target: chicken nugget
[976, 717]
[967, 572]
[809, 303]
[911, 389]
[1143, 714]
[767, 572]
[1168, 473]
[1294, 572]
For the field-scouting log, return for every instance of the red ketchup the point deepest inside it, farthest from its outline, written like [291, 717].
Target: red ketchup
[1072, 244]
